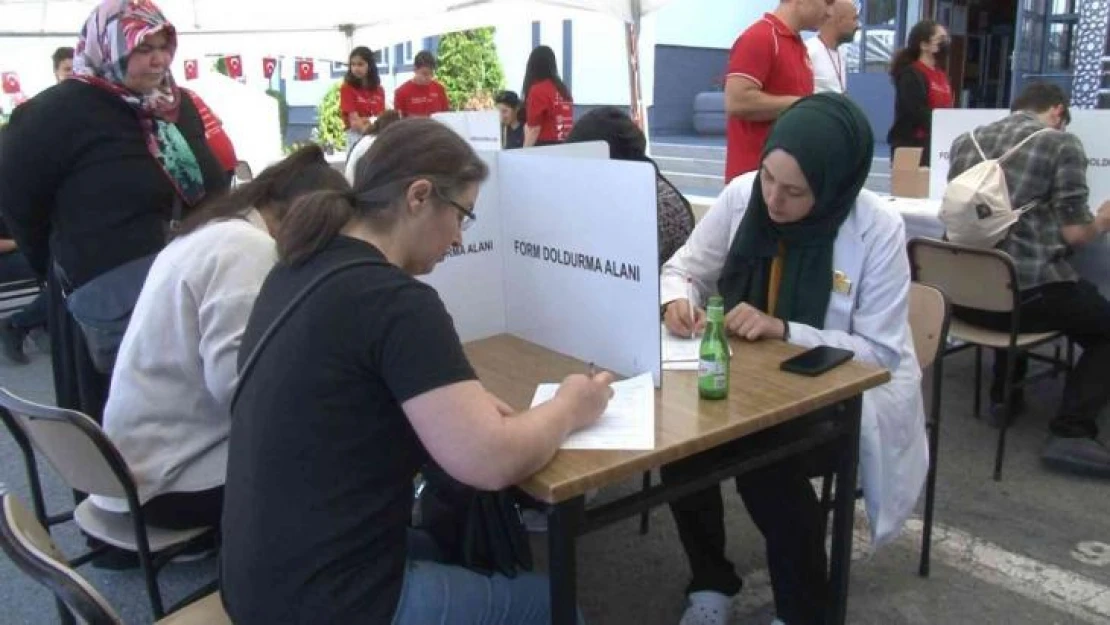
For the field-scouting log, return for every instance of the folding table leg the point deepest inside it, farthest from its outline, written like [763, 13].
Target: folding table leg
[562, 531]
[844, 513]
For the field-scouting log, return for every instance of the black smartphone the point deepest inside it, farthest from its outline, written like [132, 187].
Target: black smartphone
[817, 360]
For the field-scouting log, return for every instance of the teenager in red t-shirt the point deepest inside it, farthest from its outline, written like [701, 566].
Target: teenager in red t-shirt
[361, 98]
[768, 70]
[422, 96]
[548, 108]
[920, 87]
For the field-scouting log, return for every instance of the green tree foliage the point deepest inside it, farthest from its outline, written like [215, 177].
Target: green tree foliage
[469, 68]
[329, 125]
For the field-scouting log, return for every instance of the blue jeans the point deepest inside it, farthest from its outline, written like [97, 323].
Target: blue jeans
[441, 594]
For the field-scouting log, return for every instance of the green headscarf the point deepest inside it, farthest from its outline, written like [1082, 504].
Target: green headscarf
[832, 141]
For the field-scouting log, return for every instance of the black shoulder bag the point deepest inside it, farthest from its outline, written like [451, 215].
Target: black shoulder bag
[479, 530]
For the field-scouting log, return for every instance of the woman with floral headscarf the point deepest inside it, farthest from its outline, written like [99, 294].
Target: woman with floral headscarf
[94, 169]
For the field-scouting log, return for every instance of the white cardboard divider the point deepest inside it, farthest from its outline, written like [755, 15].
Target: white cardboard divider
[581, 258]
[586, 149]
[564, 254]
[1087, 124]
[481, 128]
[471, 280]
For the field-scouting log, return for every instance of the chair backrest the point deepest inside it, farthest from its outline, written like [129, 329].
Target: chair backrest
[243, 172]
[928, 322]
[29, 546]
[969, 277]
[75, 446]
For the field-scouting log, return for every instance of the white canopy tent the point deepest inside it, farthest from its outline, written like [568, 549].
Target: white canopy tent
[331, 25]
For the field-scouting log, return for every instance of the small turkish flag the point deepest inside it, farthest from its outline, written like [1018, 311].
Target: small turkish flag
[234, 66]
[192, 69]
[11, 83]
[305, 70]
[269, 64]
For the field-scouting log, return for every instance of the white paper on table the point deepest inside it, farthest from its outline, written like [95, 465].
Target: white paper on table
[628, 423]
[680, 354]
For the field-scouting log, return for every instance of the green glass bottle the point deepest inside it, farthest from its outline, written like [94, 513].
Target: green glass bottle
[713, 356]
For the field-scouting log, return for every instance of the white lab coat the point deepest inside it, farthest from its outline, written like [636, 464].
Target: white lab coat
[871, 320]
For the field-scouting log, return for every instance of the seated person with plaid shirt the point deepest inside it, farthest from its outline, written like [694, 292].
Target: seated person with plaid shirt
[1050, 170]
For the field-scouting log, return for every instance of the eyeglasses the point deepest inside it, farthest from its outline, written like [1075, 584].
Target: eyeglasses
[466, 215]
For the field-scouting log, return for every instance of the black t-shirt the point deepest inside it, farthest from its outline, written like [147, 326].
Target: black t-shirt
[321, 457]
[514, 137]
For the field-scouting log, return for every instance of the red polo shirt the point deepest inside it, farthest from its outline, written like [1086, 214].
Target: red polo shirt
[548, 110]
[365, 102]
[413, 100]
[774, 57]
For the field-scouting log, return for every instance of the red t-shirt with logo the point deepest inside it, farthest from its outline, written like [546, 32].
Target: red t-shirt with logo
[413, 100]
[940, 90]
[774, 57]
[547, 109]
[218, 141]
[365, 102]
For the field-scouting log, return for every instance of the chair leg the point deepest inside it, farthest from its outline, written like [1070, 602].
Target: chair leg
[1007, 389]
[146, 563]
[978, 378]
[645, 515]
[931, 478]
[826, 498]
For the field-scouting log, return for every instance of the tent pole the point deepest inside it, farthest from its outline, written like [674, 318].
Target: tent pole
[632, 43]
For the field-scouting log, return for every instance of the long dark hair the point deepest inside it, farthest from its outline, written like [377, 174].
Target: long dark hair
[372, 80]
[406, 151]
[920, 34]
[626, 141]
[542, 66]
[275, 189]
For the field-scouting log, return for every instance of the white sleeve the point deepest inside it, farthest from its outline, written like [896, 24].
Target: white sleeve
[225, 305]
[880, 319]
[702, 257]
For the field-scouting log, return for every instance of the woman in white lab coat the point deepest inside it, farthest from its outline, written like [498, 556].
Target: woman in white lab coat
[800, 252]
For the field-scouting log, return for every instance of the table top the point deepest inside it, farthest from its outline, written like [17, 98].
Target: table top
[760, 396]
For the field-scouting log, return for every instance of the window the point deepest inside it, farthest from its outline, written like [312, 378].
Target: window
[408, 53]
[880, 11]
[381, 59]
[1061, 38]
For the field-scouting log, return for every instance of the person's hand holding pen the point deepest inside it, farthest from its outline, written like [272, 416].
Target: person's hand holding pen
[684, 320]
[586, 395]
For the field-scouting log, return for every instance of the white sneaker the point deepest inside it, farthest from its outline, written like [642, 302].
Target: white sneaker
[707, 608]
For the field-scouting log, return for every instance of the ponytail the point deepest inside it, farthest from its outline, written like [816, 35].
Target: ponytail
[312, 223]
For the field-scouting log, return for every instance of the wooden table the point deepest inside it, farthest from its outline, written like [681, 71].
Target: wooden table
[760, 397]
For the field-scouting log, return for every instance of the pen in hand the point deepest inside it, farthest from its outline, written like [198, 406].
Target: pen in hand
[690, 305]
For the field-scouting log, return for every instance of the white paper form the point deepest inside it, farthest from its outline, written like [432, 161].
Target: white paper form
[628, 423]
[680, 354]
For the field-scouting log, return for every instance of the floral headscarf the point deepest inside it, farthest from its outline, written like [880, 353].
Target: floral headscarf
[112, 32]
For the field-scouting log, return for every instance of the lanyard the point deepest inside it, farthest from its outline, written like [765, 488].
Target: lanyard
[837, 66]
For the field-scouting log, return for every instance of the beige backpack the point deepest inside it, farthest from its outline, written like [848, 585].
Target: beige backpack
[976, 209]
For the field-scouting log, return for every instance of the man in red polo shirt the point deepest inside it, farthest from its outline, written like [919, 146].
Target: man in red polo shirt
[769, 69]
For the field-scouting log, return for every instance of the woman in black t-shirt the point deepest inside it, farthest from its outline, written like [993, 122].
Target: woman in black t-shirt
[359, 386]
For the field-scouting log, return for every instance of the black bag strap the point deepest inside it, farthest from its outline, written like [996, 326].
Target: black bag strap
[278, 321]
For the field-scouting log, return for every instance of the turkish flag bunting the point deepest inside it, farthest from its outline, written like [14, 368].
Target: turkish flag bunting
[192, 69]
[234, 66]
[305, 70]
[269, 64]
[11, 83]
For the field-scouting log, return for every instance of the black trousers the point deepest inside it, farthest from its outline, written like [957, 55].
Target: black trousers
[182, 511]
[1079, 311]
[783, 505]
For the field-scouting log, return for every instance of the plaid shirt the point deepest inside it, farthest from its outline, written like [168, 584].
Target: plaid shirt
[1050, 170]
